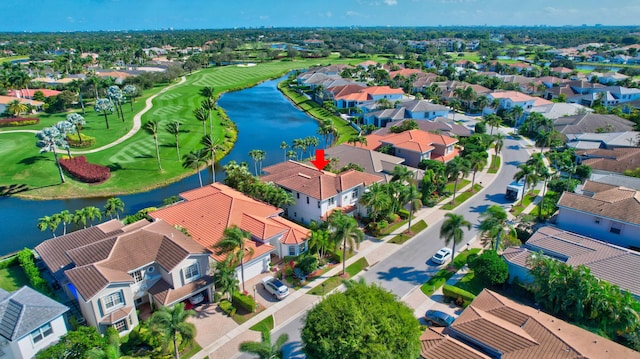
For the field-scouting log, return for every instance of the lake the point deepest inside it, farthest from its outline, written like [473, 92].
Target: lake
[264, 118]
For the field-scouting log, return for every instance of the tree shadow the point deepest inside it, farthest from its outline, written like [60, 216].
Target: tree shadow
[167, 145]
[514, 147]
[115, 167]
[144, 156]
[405, 274]
[33, 159]
[293, 350]
[13, 189]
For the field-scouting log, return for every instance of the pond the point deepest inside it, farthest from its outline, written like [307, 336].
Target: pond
[264, 118]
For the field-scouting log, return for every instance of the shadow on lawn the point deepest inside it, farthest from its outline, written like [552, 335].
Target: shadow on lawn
[33, 159]
[12, 189]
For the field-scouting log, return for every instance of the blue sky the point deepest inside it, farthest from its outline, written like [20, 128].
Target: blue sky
[83, 15]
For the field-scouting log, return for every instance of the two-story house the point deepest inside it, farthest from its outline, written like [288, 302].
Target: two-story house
[219, 206]
[416, 145]
[30, 322]
[317, 193]
[131, 268]
[510, 99]
[602, 211]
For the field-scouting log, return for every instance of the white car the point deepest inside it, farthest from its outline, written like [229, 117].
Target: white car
[197, 299]
[442, 256]
[275, 287]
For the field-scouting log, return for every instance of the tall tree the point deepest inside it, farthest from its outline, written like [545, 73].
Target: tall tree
[65, 218]
[201, 115]
[80, 218]
[105, 107]
[225, 277]
[264, 349]
[455, 169]
[283, 147]
[478, 161]
[78, 122]
[16, 107]
[208, 104]
[91, 213]
[114, 93]
[48, 141]
[130, 91]
[211, 145]
[528, 175]
[113, 207]
[345, 230]
[258, 156]
[194, 159]
[173, 128]
[452, 230]
[495, 223]
[49, 222]
[498, 142]
[152, 128]
[234, 243]
[377, 200]
[171, 324]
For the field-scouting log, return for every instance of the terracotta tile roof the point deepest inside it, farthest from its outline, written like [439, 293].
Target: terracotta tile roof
[373, 142]
[5, 100]
[116, 315]
[163, 293]
[618, 203]
[611, 160]
[218, 207]
[417, 140]
[321, 185]
[24, 93]
[591, 123]
[404, 73]
[504, 328]
[343, 90]
[439, 346]
[514, 96]
[157, 242]
[606, 261]
[370, 161]
[355, 96]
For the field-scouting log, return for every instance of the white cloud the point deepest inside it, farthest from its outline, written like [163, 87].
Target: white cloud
[391, 2]
[354, 14]
[551, 10]
[263, 17]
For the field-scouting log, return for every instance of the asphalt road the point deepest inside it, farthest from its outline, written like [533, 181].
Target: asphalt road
[410, 266]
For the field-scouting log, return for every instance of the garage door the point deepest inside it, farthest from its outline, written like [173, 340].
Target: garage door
[252, 269]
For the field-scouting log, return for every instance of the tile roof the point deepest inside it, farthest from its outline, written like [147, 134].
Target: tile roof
[163, 293]
[157, 242]
[436, 345]
[24, 93]
[308, 180]
[218, 207]
[423, 106]
[510, 330]
[606, 261]
[591, 123]
[404, 73]
[611, 160]
[24, 311]
[5, 100]
[370, 161]
[417, 140]
[514, 96]
[614, 202]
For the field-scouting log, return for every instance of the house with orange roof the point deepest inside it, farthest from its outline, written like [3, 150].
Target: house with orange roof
[28, 94]
[368, 95]
[118, 76]
[207, 211]
[318, 193]
[416, 145]
[6, 100]
[117, 272]
[406, 73]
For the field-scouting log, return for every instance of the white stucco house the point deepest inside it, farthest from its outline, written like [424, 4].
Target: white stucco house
[30, 322]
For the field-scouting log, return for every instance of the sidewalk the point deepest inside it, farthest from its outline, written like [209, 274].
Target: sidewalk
[299, 301]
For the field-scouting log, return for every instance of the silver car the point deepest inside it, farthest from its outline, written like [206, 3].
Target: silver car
[275, 287]
[442, 256]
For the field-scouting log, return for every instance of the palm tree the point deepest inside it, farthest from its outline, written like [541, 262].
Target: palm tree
[211, 145]
[49, 222]
[452, 230]
[65, 127]
[115, 95]
[258, 156]
[208, 105]
[225, 277]
[48, 140]
[77, 121]
[113, 206]
[207, 92]
[234, 243]
[16, 107]
[495, 223]
[344, 229]
[152, 128]
[91, 213]
[80, 218]
[478, 161]
[412, 196]
[104, 106]
[498, 142]
[171, 323]
[454, 169]
[173, 128]
[481, 103]
[201, 115]
[263, 349]
[130, 91]
[65, 218]
[376, 199]
[493, 121]
[528, 176]
[283, 147]
[402, 174]
[194, 159]
[516, 113]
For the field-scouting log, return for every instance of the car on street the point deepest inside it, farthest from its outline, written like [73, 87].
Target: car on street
[275, 287]
[438, 318]
[442, 256]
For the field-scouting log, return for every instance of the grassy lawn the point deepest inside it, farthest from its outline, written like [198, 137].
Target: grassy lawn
[193, 349]
[440, 278]
[528, 198]
[470, 283]
[265, 324]
[462, 197]
[12, 278]
[133, 164]
[390, 229]
[333, 282]
[13, 58]
[403, 237]
[242, 316]
[461, 184]
[495, 164]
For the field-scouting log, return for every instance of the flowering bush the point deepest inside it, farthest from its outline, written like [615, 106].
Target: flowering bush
[84, 171]
[18, 121]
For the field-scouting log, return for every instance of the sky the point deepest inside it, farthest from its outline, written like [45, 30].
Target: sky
[109, 15]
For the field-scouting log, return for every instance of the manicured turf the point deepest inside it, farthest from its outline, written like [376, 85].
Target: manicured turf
[460, 198]
[133, 164]
[265, 324]
[415, 229]
[12, 278]
[495, 164]
[461, 184]
[333, 282]
[440, 278]
[470, 283]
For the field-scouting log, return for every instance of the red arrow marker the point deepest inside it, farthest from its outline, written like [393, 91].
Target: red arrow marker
[320, 162]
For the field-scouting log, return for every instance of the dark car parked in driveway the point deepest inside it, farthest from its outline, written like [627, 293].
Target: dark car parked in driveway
[438, 318]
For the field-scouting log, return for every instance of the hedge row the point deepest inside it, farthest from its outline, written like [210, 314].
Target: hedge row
[18, 121]
[28, 264]
[84, 171]
[9, 262]
[458, 294]
[244, 301]
[227, 307]
[74, 141]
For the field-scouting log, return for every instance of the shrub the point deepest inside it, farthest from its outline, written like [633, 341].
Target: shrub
[308, 264]
[27, 262]
[74, 141]
[490, 268]
[403, 213]
[244, 301]
[391, 218]
[227, 307]
[84, 171]
[460, 296]
[18, 121]
[9, 262]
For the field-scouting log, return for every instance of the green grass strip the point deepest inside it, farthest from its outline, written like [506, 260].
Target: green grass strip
[333, 282]
[265, 324]
[415, 229]
[440, 278]
[461, 184]
[495, 164]
[462, 197]
[518, 208]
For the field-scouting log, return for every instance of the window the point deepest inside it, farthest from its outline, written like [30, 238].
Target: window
[113, 300]
[318, 204]
[354, 194]
[191, 273]
[597, 220]
[120, 326]
[332, 201]
[307, 199]
[298, 195]
[41, 333]
[616, 228]
[292, 250]
[137, 276]
[303, 247]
